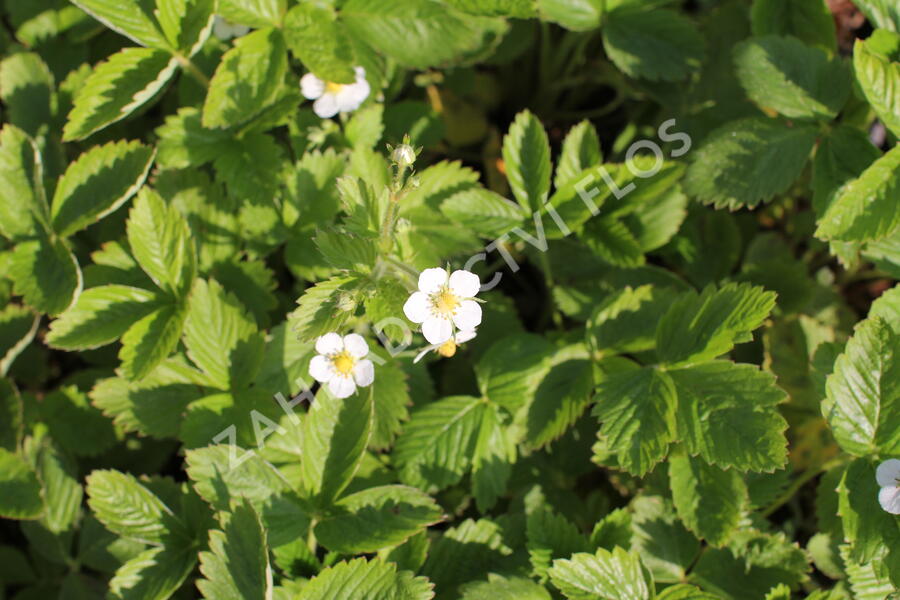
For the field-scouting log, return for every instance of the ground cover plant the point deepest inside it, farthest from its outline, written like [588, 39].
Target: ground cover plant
[475, 299]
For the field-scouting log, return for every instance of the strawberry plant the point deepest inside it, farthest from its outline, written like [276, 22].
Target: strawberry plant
[414, 299]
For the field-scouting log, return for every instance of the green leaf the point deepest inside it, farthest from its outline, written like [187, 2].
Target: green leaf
[27, 89]
[362, 579]
[131, 18]
[118, 87]
[666, 547]
[100, 316]
[498, 587]
[186, 23]
[335, 435]
[655, 44]
[61, 489]
[319, 40]
[465, 553]
[869, 530]
[637, 411]
[22, 203]
[18, 326]
[161, 242]
[438, 444]
[606, 575]
[221, 338]
[347, 251]
[45, 274]
[728, 414]
[75, 425]
[237, 563]
[863, 393]
[699, 327]
[748, 161]
[840, 159]
[97, 183]
[511, 370]
[526, 155]
[882, 13]
[416, 33]
[376, 518]
[521, 9]
[709, 500]
[247, 79]
[185, 142]
[792, 78]
[561, 397]
[129, 509]
[253, 13]
[684, 591]
[626, 321]
[577, 15]
[150, 340]
[223, 473]
[580, 151]
[20, 490]
[482, 211]
[154, 574]
[810, 21]
[551, 536]
[323, 307]
[495, 453]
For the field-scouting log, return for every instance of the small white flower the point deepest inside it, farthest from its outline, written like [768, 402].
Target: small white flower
[888, 477]
[332, 98]
[448, 348]
[224, 30]
[341, 363]
[443, 301]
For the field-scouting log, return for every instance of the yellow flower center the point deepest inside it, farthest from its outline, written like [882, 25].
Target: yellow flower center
[445, 302]
[343, 363]
[333, 88]
[447, 349]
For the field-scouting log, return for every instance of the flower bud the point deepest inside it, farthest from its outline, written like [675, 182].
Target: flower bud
[403, 156]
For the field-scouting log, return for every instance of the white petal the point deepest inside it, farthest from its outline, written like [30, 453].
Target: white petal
[321, 369]
[464, 284]
[467, 315]
[326, 106]
[341, 387]
[889, 498]
[888, 473]
[351, 96]
[240, 30]
[416, 307]
[329, 344]
[356, 345]
[364, 373]
[360, 73]
[464, 336]
[437, 330]
[424, 351]
[431, 280]
[221, 28]
[311, 86]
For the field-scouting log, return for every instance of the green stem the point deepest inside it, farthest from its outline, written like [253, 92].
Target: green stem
[191, 69]
[807, 476]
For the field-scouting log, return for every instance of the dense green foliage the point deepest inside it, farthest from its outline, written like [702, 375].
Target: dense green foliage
[225, 224]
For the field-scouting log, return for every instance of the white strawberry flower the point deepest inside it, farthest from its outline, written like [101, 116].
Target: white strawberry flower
[224, 30]
[444, 300]
[888, 477]
[341, 363]
[332, 98]
[448, 348]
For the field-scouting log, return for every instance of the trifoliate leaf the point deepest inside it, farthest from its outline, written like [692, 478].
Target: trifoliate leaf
[709, 500]
[154, 574]
[128, 508]
[863, 393]
[606, 575]
[45, 274]
[376, 518]
[655, 44]
[866, 208]
[797, 81]
[97, 183]
[437, 446]
[362, 579]
[336, 432]
[100, 316]
[161, 242]
[319, 40]
[118, 87]
[237, 563]
[220, 337]
[253, 13]
[131, 18]
[637, 411]
[22, 203]
[728, 414]
[810, 21]
[699, 327]
[876, 62]
[247, 79]
[526, 156]
[21, 498]
[748, 161]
